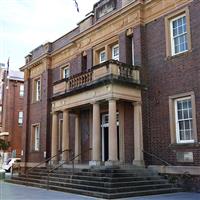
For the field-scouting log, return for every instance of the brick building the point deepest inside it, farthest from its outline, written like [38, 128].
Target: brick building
[125, 80]
[12, 110]
[2, 70]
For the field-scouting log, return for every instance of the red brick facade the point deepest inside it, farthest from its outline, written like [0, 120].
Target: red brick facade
[162, 76]
[12, 105]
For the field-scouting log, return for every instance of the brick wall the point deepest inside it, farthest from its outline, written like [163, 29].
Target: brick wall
[166, 77]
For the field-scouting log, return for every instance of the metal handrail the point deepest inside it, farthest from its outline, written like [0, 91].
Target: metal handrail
[71, 160]
[46, 160]
[158, 158]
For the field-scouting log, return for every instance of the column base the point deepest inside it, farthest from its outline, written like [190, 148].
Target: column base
[112, 163]
[139, 163]
[53, 162]
[95, 163]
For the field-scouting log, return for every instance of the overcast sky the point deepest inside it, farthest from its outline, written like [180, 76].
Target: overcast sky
[26, 24]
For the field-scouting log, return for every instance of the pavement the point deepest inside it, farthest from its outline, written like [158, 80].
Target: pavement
[18, 192]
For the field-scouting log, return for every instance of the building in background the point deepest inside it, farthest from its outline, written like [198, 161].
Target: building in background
[12, 110]
[2, 71]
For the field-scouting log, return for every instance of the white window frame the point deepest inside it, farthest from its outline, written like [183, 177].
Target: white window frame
[65, 72]
[100, 57]
[172, 36]
[115, 57]
[37, 89]
[20, 117]
[21, 90]
[177, 123]
[36, 132]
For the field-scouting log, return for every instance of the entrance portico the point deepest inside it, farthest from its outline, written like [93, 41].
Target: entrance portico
[108, 97]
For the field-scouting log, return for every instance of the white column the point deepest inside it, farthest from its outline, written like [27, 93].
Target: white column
[54, 136]
[138, 135]
[96, 136]
[65, 135]
[77, 138]
[112, 131]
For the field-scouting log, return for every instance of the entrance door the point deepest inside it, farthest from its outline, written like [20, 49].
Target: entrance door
[105, 136]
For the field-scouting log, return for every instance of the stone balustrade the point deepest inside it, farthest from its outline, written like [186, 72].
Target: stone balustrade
[109, 69]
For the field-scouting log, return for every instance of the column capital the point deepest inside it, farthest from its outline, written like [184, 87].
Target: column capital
[95, 102]
[65, 110]
[112, 99]
[54, 112]
[137, 103]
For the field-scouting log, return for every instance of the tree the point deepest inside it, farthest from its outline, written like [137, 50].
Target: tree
[4, 145]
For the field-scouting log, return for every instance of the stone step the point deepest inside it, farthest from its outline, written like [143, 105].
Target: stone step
[100, 194]
[96, 174]
[96, 183]
[97, 171]
[98, 178]
[98, 188]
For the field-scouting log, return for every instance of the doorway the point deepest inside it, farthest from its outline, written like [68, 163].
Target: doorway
[105, 136]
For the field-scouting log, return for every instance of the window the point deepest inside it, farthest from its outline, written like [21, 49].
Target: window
[179, 42]
[20, 118]
[65, 72]
[37, 89]
[177, 32]
[183, 111]
[21, 90]
[102, 56]
[115, 52]
[36, 138]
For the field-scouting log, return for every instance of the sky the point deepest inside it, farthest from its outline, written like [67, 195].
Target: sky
[26, 24]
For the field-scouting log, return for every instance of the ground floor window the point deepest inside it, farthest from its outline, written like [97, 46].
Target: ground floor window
[183, 118]
[183, 112]
[36, 137]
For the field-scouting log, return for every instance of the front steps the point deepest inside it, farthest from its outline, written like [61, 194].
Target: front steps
[101, 183]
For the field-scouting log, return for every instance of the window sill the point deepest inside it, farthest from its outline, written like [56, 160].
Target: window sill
[184, 145]
[184, 54]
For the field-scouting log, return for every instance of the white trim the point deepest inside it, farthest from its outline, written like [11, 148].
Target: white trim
[172, 36]
[64, 74]
[100, 60]
[176, 120]
[133, 52]
[106, 125]
[113, 56]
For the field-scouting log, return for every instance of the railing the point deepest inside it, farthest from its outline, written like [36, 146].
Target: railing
[45, 161]
[157, 158]
[71, 160]
[77, 81]
[110, 67]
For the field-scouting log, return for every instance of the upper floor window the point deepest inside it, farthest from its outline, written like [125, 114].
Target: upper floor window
[65, 72]
[115, 52]
[37, 89]
[21, 90]
[179, 41]
[20, 118]
[184, 120]
[102, 56]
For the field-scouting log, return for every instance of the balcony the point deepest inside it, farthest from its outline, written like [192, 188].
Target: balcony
[111, 71]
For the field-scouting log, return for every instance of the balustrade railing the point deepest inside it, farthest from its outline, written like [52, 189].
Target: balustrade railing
[110, 67]
[80, 80]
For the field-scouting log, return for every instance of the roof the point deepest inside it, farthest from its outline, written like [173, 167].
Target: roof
[16, 75]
